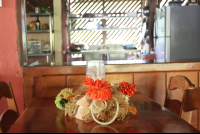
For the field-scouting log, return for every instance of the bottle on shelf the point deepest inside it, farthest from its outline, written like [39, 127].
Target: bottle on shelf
[37, 23]
[34, 26]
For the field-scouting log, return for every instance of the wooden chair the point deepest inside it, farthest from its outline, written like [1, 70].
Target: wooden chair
[10, 115]
[175, 96]
[192, 101]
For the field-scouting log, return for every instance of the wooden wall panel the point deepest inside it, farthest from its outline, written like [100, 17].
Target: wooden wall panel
[47, 82]
[54, 81]
[56, 70]
[193, 77]
[152, 85]
[75, 80]
[38, 85]
[118, 78]
[28, 83]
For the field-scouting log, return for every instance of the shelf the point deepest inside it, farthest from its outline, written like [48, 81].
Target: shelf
[38, 14]
[38, 31]
[42, 54]
[106, 29]
[102, 17]
[120, 51]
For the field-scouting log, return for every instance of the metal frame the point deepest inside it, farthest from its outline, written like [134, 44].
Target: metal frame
[24, 32]
[24, 39]
[168, 32]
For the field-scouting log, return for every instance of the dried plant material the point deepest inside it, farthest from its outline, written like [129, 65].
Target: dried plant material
[73, 114]
[69, 107]
[76, 98]
[120, 97]
[82, 111]
[65, 93]
[82, 102]
[81, 90]
[88, 118]
[88, 100]
[100, 105]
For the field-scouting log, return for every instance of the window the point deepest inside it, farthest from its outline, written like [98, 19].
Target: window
[112, 8]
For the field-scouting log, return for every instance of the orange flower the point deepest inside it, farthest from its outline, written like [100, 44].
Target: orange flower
[98, 89]
[127, 89]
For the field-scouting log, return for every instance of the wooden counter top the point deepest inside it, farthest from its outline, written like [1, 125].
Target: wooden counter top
[116, 62]
[79, 67]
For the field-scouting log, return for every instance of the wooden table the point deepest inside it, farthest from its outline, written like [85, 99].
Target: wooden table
[42, 116]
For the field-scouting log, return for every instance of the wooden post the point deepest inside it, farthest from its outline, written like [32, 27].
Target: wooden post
[104, 24]
[152, 11]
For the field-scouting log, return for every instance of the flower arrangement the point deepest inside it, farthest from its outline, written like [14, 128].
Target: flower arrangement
[97, 100]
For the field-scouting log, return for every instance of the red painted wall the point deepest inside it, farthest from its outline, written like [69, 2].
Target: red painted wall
[10, 70]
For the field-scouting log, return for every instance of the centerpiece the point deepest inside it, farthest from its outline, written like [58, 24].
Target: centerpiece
[97, 100]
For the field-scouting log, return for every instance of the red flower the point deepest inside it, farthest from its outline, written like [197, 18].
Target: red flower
[98, 89]
[127, 89]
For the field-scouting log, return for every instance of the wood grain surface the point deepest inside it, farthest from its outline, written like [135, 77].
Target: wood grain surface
[42, 116]
[152, 85]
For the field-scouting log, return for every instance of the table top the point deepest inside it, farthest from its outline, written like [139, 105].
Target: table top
[42, 116]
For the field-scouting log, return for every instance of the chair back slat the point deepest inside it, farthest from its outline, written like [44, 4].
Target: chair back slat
[5, 90]
[192, 101]
[176, 95]
[180, 82]
[10, 115]
[7, 119]
[177, 85]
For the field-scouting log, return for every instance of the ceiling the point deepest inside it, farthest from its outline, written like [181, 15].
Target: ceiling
[31, 4]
